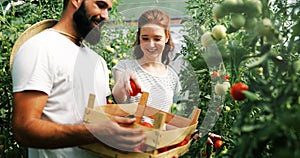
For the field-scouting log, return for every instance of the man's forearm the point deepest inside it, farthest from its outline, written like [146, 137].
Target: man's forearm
[46, 134]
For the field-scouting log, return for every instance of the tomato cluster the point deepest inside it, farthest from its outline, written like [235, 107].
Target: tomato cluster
[182, 143]
[143, 147]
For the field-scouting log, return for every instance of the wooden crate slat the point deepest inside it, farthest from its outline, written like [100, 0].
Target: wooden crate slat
[107, 152]
[118, 109]
[93, 116]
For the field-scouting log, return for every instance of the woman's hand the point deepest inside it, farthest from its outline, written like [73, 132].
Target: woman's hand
[122, 89]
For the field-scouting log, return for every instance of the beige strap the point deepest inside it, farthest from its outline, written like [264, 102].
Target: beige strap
[91, 101]
[195, 115]
[159, 120]
[144, 98]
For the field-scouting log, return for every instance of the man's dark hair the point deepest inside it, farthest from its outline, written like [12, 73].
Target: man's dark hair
[65, 4]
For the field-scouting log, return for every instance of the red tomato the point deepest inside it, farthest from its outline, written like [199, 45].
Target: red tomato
[109, 101]
[236, 91]
[146, 124]
[184, 142]
[203, 153]
[218, 143]
[215, 74]
[134, 88]
[172, 147]
[163, 149]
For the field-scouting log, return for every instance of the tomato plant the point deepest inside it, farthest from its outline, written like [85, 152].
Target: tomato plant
[261, 50]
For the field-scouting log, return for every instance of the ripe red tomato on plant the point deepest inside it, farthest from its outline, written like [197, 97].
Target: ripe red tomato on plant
[218, 143]
[146, 124]
[227, 77]
[237, 89]
[134, 88]
[215, 74]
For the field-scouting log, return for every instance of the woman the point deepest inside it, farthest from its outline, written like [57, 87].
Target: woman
[150, 69]
[152, 48]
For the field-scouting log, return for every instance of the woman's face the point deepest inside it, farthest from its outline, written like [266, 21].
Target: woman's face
[152, 41]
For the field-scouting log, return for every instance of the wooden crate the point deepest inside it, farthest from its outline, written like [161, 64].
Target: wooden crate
[107, 152]
[178, 128]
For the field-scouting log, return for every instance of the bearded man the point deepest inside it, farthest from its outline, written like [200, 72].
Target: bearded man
[53, 74]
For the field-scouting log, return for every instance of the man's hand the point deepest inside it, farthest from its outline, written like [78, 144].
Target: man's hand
[211, 137]
[118, 134]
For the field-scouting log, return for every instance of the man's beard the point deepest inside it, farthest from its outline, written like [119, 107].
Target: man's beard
[84, 25]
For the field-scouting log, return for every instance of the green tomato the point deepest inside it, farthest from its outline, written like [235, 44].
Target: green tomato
[250, 23]
[220, 89]
[206, 39]
[218, 11]
[296, 66]
[260, 70]
[227, 108]
[226, 84]
[253, 7]
[219, 32]
[264, 27]
[109, 49]
[235, 6]
[237, 21]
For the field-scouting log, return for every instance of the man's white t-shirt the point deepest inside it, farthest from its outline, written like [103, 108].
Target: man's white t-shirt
[51, 63]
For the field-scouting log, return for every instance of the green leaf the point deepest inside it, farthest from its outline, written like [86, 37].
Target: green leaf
[251, 96]
[250, 128]
[296, 29]
[259, 61]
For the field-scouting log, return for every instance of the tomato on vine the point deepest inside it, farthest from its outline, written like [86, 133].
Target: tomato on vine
[236, 91]
[218, 143]
[215, 74]
[203, 153]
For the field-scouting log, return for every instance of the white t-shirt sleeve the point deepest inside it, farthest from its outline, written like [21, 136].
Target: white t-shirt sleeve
[122, 65]
[25, 74]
